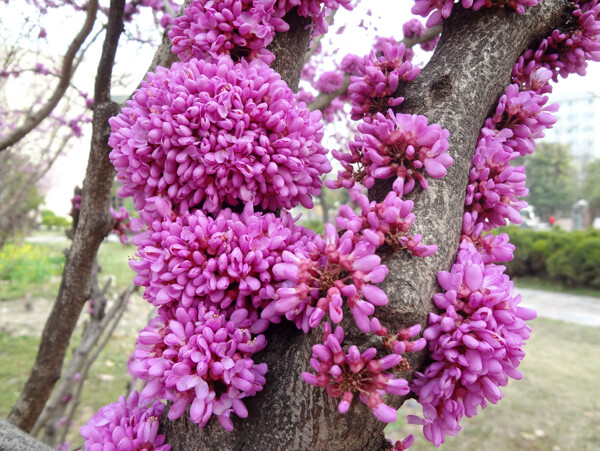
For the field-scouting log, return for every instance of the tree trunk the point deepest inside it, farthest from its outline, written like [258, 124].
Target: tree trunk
[458, 88]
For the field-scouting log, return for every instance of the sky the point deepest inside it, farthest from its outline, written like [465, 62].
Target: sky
[133, 60]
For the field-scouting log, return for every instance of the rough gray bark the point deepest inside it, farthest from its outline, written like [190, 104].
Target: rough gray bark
[13, 439]
[466, 75]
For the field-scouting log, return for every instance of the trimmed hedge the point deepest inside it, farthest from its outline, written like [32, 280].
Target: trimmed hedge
[569, 257]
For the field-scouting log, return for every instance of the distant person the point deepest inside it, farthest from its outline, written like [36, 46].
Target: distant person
[551, 220]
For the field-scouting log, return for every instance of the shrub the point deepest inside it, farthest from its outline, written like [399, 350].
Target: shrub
[28, 263]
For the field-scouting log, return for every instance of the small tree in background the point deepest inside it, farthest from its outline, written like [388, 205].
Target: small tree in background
[551, 179]
[590, 188]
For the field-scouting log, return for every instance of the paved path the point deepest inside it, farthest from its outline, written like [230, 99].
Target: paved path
[566, 307]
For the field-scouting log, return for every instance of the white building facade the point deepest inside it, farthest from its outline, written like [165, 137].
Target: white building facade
[578, 126]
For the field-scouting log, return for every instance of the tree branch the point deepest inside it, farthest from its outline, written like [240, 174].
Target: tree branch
[467, 73]
[94, 224]
[67, 72]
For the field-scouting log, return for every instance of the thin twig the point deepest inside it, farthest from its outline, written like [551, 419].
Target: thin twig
[67, 72]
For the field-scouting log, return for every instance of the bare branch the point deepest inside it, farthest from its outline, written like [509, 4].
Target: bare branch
[323, 100]
[66, 74]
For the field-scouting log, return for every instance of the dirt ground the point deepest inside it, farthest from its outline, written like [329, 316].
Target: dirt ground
[27, 316]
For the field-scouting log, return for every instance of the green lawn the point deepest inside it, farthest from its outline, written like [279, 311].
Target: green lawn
[555, 407]
[113, 258]
[537, 283]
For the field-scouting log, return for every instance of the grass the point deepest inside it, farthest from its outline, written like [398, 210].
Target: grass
[552, 408]
[112, 256]
[107, 380]
[538, 283]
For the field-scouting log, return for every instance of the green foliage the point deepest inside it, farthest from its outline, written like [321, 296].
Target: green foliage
[550, 179]
[572, 258]
[314, 224]
[590, 188]
[49, 219]
[28, 263]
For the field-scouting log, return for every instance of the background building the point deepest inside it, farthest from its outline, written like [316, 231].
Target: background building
[578, 125]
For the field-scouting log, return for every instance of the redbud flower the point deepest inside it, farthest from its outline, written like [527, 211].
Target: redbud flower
[345, 374]
[198, 357]
[238, 28]
[372, 90]
[125, 424]
[204, 134]
[227, 260]
[400, 145]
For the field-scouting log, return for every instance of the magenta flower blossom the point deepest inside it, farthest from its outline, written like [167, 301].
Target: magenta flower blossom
[495, 185]
[330, 81]
[372, 90]
[317, 10]
[319, 281]
[526, 114]
[198, 357]
[238, 28]
[387, 222]
[351, 64]
[126, 425]
[476, 343]
[225, 261]
[402, 445]
[345, 374]
[413, 29]
[203, 134]
[492, 248]
[122, 223]
[566, 53]
[400, 145]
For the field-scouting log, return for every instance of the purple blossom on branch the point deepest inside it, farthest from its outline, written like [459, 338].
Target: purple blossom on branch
[318, 280]
[345, 374]
[400, 145]
[476, 344]
[203, 134]
[226, 261]
[126, 425]
[199, 357]
[372, 90]
[238, 28]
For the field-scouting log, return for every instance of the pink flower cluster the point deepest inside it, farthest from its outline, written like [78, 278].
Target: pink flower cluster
[241, 29]
[477, 339]
[566, 53]
[495, 184]
[203, 134]
[238, 28]
[125, 425]
[199, 357]
[317, 10]
[347, 373]
[414, 28]
[224, 261]
[400, 145]
[442, 8]
[320, 279]
[122, 223]
[329, 81]
[476, 344]
[386, 222]
[372, 90]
